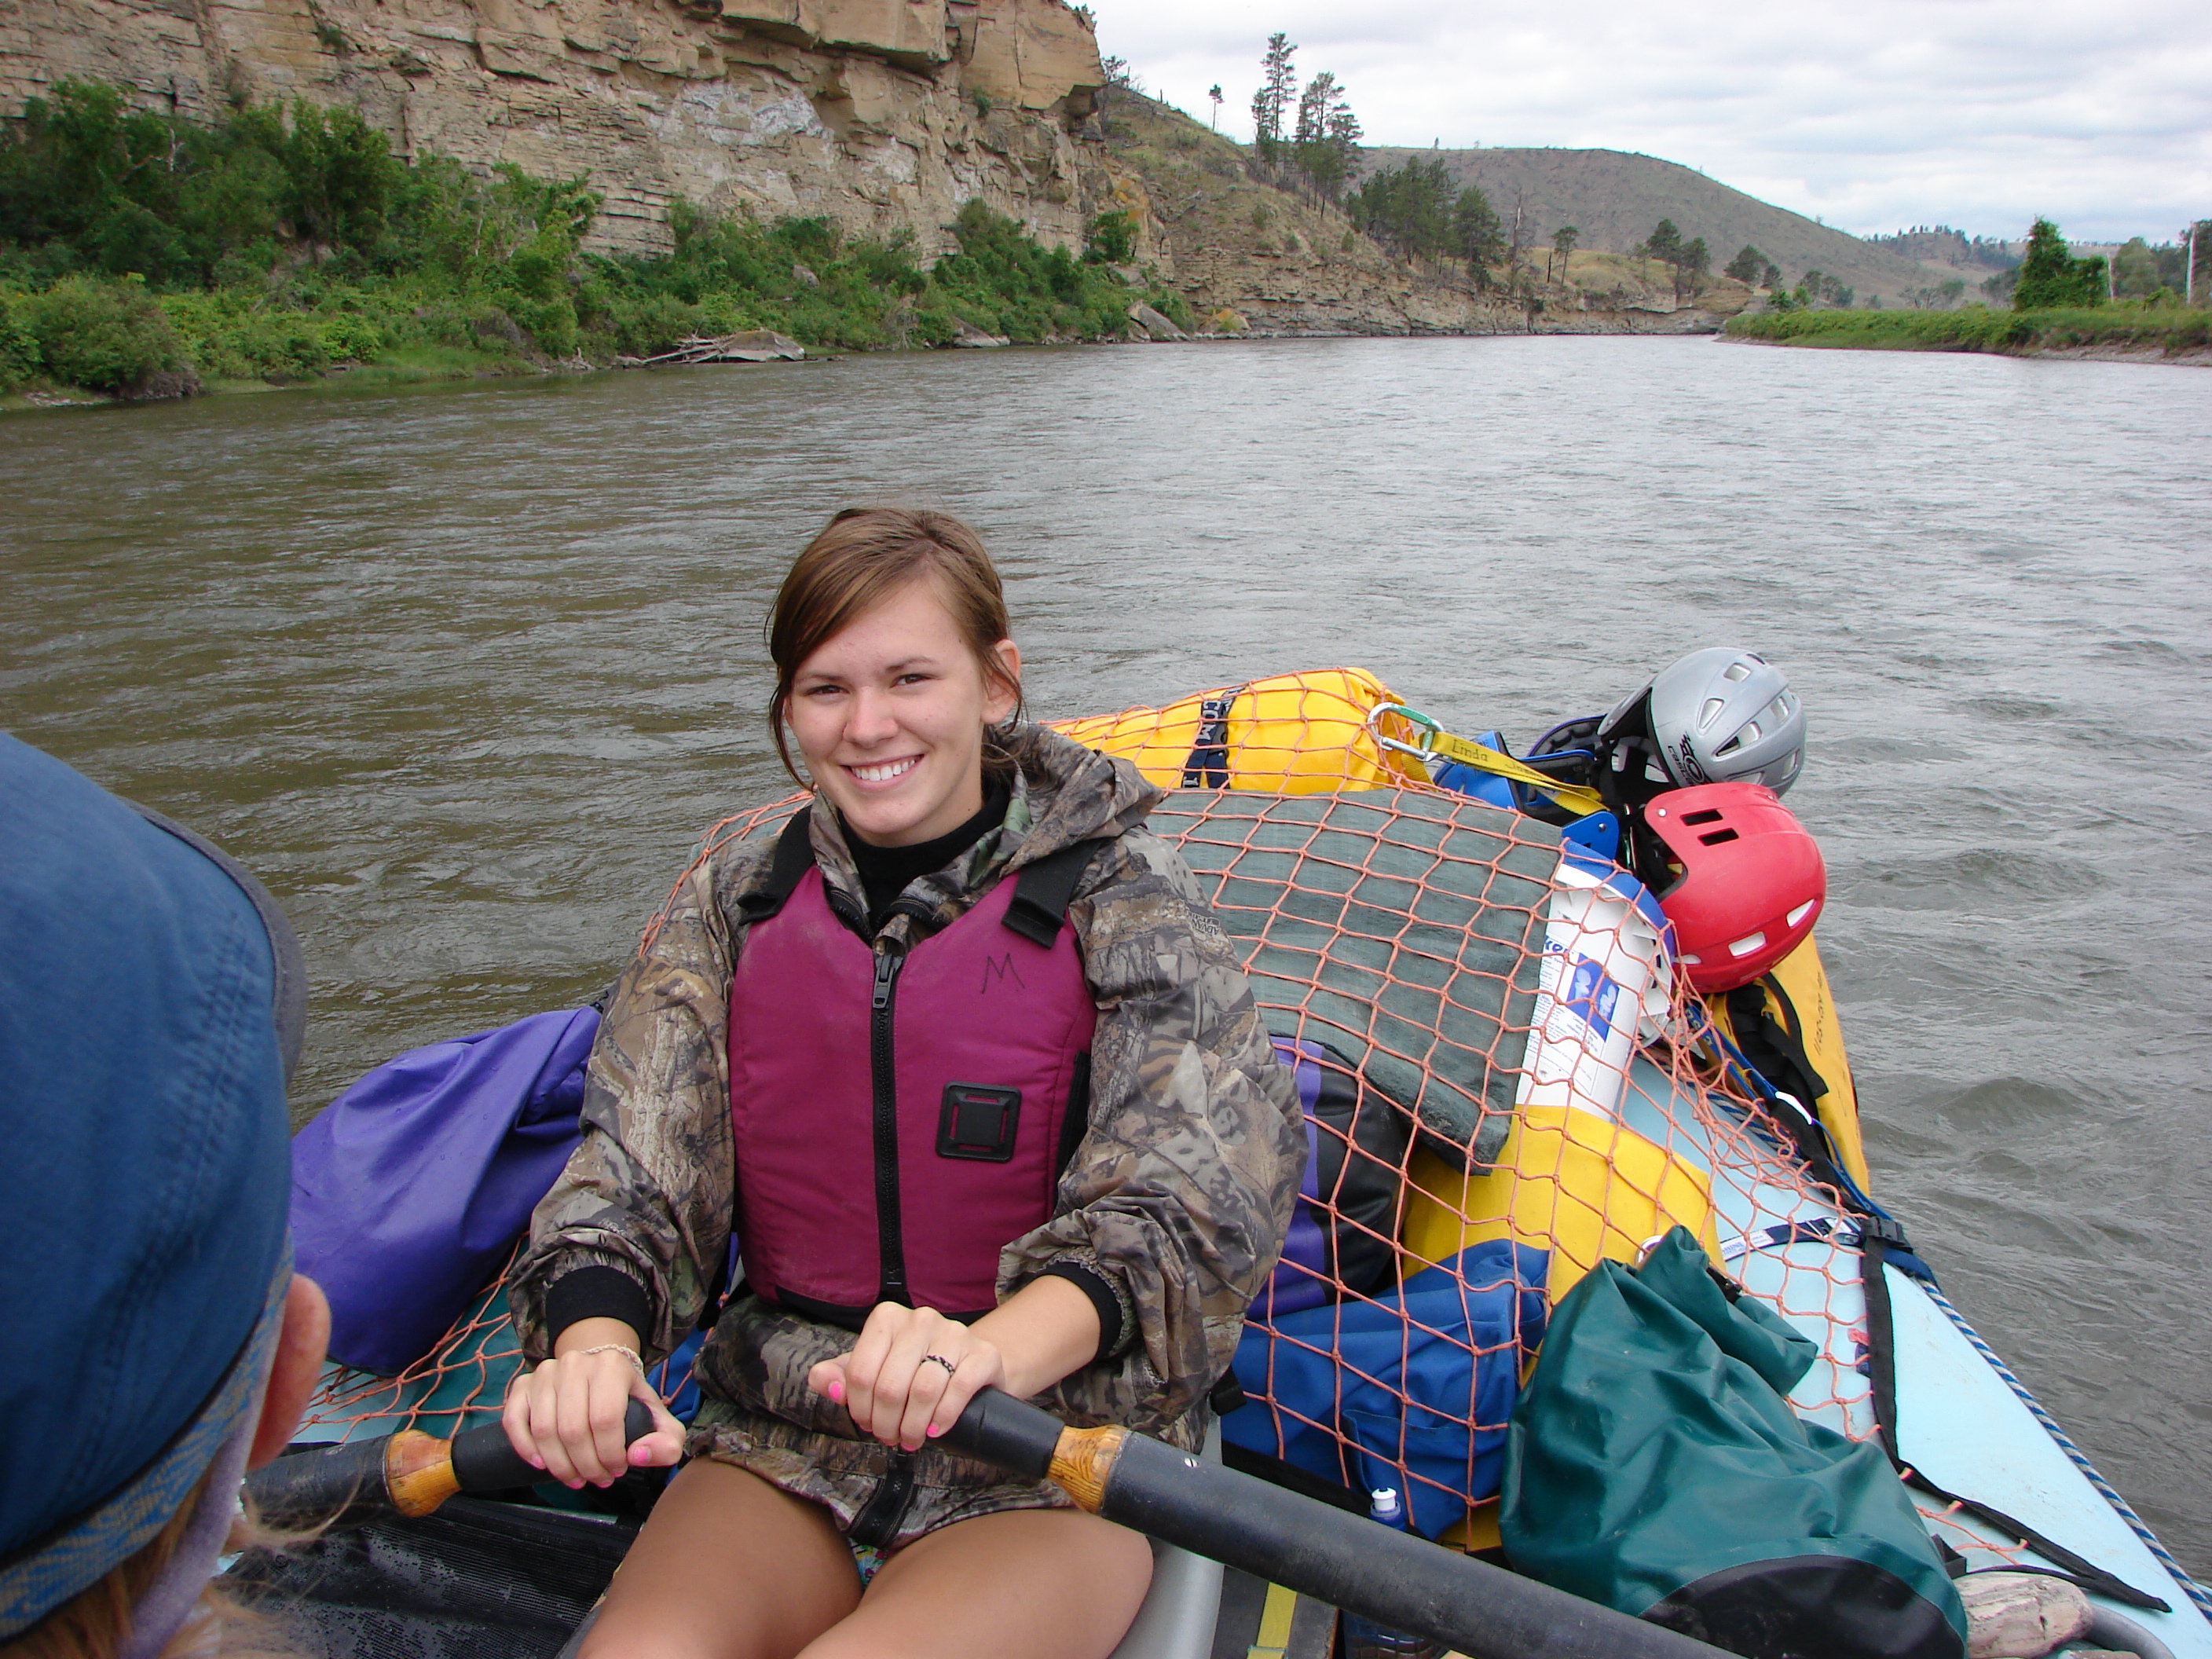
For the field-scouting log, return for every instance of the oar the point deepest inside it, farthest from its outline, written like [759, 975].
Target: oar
[1398, 1580]
[408, 1473]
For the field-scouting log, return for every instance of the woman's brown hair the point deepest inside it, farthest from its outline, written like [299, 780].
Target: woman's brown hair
[865, 554]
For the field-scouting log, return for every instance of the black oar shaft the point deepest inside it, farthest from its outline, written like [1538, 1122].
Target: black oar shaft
[333, 1485]
[1397, 1580]
[405, 1473]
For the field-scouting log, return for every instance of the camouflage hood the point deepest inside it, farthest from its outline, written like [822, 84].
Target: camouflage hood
[1067, 794]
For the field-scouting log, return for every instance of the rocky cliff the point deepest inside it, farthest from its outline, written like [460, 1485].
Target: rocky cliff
[883, 114]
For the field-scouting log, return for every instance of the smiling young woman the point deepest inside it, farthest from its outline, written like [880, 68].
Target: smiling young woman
[892, 655]
[977, 1081]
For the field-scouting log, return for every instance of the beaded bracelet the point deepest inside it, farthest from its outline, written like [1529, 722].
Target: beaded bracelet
[622, 1348]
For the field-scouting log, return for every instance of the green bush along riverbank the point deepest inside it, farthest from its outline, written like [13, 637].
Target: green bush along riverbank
[142, 255]
[2129, 326]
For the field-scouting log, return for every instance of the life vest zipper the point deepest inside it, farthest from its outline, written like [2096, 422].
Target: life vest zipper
[883, 1066]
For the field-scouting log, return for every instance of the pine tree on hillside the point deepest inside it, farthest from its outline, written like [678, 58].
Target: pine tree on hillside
[1344, 135]
[1747, 267]
[1563, 244]
[1477, 232]
[1691, 266]
[1325, 141]
[1277, 87]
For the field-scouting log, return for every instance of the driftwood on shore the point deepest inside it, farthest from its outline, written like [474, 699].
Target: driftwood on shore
[751, 345]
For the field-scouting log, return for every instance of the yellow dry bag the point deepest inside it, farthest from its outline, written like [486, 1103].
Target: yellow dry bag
[1289, 734]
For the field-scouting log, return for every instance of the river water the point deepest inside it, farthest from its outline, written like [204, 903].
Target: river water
[463, 672]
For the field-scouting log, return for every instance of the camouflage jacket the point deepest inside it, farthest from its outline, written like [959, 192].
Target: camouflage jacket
[1178, 1196]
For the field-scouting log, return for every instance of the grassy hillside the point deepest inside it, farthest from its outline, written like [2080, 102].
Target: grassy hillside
[1285, 259]
[1614, 199]
[1197, 185]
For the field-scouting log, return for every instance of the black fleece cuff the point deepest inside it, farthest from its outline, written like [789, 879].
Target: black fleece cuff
[1092, 1283]
[596, 1292]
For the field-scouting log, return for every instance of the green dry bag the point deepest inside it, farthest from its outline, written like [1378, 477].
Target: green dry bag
[1652, 1464]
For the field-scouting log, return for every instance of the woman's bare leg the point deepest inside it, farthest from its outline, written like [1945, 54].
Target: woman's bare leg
[1024, 1584]
[726, 1567]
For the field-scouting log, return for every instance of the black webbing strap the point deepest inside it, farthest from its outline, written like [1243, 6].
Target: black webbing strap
[1775, 1047]
[794, 856]
[1878, 1236]
[2087, 1574]
[877, 1522]
[1808, 1135]
[1207, 766]
[1043, 890]
[1777, 1056]
[1882, 1331]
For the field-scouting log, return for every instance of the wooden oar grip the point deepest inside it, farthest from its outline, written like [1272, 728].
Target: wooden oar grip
[1014, 1435]
[418, 1472]
[1082, 1463]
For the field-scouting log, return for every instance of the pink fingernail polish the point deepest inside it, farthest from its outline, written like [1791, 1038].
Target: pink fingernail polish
[934, 1431]
[837, 1393]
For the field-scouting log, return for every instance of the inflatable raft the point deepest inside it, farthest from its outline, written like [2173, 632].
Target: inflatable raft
[1406, 931]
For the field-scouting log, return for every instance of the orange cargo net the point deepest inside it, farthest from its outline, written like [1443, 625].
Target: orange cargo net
[1401, 931]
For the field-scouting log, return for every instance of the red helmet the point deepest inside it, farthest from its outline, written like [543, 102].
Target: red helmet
[1752, 882]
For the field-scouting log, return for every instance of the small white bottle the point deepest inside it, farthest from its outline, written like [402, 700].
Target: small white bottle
[1605, 987]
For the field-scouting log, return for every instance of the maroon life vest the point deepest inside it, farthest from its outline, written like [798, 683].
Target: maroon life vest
[898, 1121]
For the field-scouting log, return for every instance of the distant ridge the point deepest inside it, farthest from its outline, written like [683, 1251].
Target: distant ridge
[1615, 198]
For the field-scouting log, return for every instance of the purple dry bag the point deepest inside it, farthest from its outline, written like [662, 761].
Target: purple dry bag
[409, 1189]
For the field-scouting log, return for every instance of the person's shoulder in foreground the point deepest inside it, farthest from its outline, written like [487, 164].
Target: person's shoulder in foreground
[157, 1339]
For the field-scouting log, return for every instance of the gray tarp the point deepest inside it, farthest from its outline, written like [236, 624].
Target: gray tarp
[1405, 930]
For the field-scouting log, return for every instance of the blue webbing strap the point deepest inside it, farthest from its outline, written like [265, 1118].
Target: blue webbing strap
[1207, 766]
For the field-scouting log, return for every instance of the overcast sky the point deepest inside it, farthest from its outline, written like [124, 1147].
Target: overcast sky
[1874, 115]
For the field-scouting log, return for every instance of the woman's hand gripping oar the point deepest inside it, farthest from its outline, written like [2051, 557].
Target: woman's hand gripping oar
[406, 1473]
[1394, 1578]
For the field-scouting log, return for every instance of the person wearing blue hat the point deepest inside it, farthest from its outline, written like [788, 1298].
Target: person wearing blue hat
[158, 1341]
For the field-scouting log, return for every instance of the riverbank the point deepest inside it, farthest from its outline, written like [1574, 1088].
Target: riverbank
[143, 255]
[146, 256]
[2130, 332]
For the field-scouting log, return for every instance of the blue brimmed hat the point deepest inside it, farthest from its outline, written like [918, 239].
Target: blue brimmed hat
[144, 981]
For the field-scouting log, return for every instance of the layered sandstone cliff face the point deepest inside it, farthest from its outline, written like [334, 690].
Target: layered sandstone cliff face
[883, 114]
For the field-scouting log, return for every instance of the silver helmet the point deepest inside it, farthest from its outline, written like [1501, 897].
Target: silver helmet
[1720, 716]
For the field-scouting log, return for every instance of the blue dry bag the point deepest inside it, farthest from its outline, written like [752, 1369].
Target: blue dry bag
[1423, 1378]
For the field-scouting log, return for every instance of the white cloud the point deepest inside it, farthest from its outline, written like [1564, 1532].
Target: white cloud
[1979, 113]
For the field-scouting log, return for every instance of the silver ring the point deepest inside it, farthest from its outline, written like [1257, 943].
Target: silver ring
[939, 1359]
